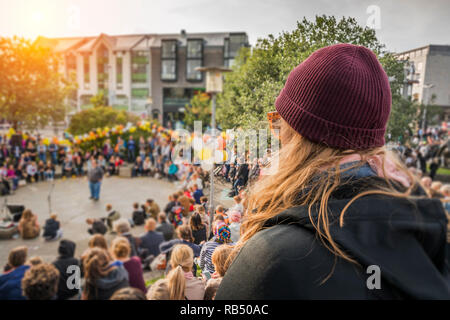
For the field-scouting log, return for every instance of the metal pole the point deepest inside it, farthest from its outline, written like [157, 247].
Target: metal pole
[211, 174]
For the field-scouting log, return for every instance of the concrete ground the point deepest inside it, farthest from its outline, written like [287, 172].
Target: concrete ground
[70, 200]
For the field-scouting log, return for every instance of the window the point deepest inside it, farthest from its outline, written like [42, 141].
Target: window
[119, 72]
[169, 60]
[86, 71]
[232, 45]
[139, 66]
[194, 59]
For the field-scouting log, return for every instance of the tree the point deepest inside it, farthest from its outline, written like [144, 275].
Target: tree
[32, 91]
[99, 100]
[259, 75]
[199, 109]
[99, 117]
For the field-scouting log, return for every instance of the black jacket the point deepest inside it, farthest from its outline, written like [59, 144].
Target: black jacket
[405, 238]
[51, 227]
[66, 258]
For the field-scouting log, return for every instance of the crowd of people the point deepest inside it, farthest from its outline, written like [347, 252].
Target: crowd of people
[178, 240]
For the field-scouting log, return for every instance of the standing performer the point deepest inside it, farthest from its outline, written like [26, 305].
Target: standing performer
[341, 218]
[95, 175]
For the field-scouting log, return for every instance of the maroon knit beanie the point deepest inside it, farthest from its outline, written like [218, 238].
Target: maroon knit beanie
[340, 96]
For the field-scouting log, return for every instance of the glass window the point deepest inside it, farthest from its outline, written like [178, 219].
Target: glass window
[194, 59]
[86, 71]
[191, 73]
[169, 49]
[232, 45]
[139, 66]
[119, 72]
[169, 60]
[168, 70]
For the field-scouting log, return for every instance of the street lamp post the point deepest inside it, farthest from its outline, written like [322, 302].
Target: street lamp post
[214, 85]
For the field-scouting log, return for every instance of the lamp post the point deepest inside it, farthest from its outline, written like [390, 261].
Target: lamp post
[214, 85]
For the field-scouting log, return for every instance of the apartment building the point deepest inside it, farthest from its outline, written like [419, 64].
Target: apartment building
[428, 75]
[148, 74]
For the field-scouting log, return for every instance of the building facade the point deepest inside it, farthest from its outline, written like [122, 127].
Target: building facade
[147, 74]
[428, 75]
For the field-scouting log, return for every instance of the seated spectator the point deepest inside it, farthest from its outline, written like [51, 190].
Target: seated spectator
[197, 193]
[120, 251]
[67, 168]
[128, 294]
[66, 251]
[238, 206]
[28, 225]
[159, 290]
[222, 236]
[182, 283]
[102, 278]
[138, 215]
[49, 171]
[172, 171]
[40, 282]
[97, 226]
[98, 241]
[52, 228]
[122, 227]
[11, 280]
[31, 172]
[147, 167]
[164, 227]
[220, 261]
[198, 228]
[150, 241]
[153, 208]
[436, 190]
[184, 234]
[138, 168]
[235, 225]
[34, 261]
[445, 190]
[112, 215]
[220, 211]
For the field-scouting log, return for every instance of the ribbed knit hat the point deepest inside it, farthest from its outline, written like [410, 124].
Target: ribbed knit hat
[340, 96]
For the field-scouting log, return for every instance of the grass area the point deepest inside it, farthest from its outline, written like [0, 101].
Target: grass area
[441, 171]
[152, 281]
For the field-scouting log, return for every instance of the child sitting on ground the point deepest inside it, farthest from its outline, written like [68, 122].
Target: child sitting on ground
[52, 228]
[97, 226]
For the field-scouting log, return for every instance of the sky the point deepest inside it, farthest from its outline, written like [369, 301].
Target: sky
[400, 24]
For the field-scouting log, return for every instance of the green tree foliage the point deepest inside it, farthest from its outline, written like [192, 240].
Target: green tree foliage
[259, 75]
[99, 100]
[32, 91]
[99, 117]
[199, 109]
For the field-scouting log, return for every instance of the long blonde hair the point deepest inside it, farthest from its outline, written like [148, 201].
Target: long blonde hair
[181, 260]
[300, 164]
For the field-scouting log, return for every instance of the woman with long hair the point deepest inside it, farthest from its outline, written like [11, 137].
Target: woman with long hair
[102, 276]
[182, 283]
[339, 217]
[28, 225]
[198, 228]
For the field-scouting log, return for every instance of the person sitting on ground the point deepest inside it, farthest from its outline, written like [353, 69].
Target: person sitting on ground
[220, 211]
[102, 278]
[128, 294]
[40, 282]
[28, 225]
[122, 227]
[445, 190]
[238, 206]
[219, 259]
[153, 208]
[147, 167]
[435, 190]
[97, 226]
[197, 193]
[112, 215]
[159, 290]
[52, 228]
[137, 169]
[198, 228]
[165, 227]
[120, 251]
[11, 279]
[150, 240]
[138, 215]
[235, 225]
[182, 283]
[34, 261]
[221, 236]
[65, 260]
[184, 235]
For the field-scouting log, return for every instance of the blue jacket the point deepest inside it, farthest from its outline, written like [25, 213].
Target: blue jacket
[11, 284]
[151, 241]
